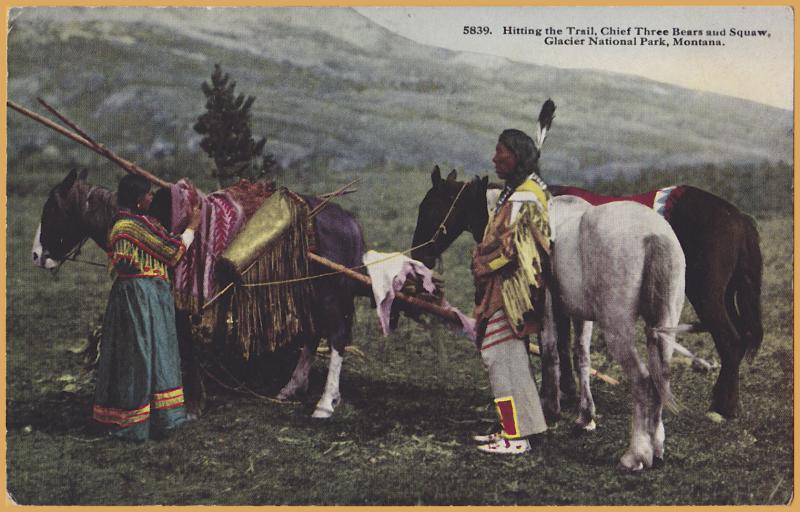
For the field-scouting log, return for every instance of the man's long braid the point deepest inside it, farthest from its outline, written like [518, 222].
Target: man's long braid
[504, 195]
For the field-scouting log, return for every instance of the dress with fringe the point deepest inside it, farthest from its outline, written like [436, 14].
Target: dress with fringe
[139, 391]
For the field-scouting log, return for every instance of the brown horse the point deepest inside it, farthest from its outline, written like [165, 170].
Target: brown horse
[76, 211]
[720, 245]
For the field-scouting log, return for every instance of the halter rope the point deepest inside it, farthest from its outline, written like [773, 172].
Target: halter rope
[439, 230]
[72, 255]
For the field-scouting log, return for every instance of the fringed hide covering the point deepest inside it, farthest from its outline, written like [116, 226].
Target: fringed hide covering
[530, 231]
[222, 216]
[510, 263]
[270, 253]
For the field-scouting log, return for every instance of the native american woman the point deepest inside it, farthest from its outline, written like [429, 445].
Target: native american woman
[139, 392]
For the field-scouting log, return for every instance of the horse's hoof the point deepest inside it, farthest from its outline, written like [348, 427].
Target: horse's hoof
[630, 463]
[287, 393]
[701, 365]
[552, 417]
[632, 470]
[715, 417]
[579, 429]
[322, 413]
[193, 412]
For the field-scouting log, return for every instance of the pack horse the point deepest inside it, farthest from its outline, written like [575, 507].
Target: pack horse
[76, 211]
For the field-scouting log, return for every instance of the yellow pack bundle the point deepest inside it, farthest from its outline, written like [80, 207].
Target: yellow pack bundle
[268, 263]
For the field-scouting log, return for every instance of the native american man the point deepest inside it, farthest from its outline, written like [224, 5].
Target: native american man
[508, 267]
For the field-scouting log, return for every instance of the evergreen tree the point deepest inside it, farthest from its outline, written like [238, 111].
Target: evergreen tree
[225, 127]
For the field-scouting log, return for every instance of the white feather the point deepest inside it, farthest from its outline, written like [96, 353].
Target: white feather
[541, 134]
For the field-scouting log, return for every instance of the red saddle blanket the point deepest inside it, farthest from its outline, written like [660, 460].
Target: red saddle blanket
[660, 200]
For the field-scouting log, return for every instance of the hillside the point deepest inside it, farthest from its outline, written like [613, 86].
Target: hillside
[335, 89]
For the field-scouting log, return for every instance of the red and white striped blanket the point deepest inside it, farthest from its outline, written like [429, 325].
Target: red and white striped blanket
[223, 214]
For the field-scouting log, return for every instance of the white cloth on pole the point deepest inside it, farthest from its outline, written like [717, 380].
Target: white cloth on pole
[388, 272]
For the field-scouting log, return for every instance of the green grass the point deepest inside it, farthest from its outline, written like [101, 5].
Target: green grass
[401, 437]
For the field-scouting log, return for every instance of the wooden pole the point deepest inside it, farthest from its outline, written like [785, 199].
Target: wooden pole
[428, 307]
[97, 148]
[534, 348]
[434, 309]
[327, 197]
[69, 123]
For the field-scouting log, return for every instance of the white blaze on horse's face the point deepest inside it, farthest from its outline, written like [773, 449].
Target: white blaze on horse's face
[40, 258]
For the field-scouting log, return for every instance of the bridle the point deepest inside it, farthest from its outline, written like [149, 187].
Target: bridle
[442, 229]
[72, 254]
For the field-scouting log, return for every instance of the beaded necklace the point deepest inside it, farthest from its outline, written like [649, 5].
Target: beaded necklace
[508, 190]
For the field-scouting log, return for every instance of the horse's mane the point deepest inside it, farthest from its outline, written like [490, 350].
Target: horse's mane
[95, 205]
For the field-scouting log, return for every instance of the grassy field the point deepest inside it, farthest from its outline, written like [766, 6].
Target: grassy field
[412, 400]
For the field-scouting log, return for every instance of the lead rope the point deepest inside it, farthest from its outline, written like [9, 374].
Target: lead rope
[72, 255]
[441, 229]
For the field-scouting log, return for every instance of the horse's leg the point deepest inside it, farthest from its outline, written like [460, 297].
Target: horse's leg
[566, 375]
[582, 354]
[657, 432]
[298, 383]
[660, 347]
[620, 338]
[706, 290]
[331, 397]
[337, 312]
[722, 254]
[550, 364]
[193, 385]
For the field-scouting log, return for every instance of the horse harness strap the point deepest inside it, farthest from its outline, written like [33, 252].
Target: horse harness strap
[72, 255]
[442, 228]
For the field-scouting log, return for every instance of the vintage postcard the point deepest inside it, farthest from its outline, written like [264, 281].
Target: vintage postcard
[379, 256]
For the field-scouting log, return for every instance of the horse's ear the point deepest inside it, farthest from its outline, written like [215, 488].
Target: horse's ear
[67, 183]
[452, 175]
[436, 177]
[83, 174]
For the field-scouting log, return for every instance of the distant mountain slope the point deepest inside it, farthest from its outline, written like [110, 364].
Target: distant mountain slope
[333, 86]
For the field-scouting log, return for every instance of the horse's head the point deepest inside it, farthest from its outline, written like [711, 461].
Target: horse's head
[449, 208]
[60, 232]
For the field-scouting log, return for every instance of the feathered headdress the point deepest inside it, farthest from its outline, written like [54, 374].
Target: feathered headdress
[546, 116]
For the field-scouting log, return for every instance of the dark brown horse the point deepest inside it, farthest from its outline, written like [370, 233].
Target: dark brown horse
[76, 211]
[720, 244]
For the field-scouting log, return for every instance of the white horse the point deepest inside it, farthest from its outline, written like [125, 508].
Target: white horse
[612, 264]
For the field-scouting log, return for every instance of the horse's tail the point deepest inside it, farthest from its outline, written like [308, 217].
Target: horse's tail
[744, 301]
[663, 289]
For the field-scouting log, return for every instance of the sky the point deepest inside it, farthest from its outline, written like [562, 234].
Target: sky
[750, 64]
